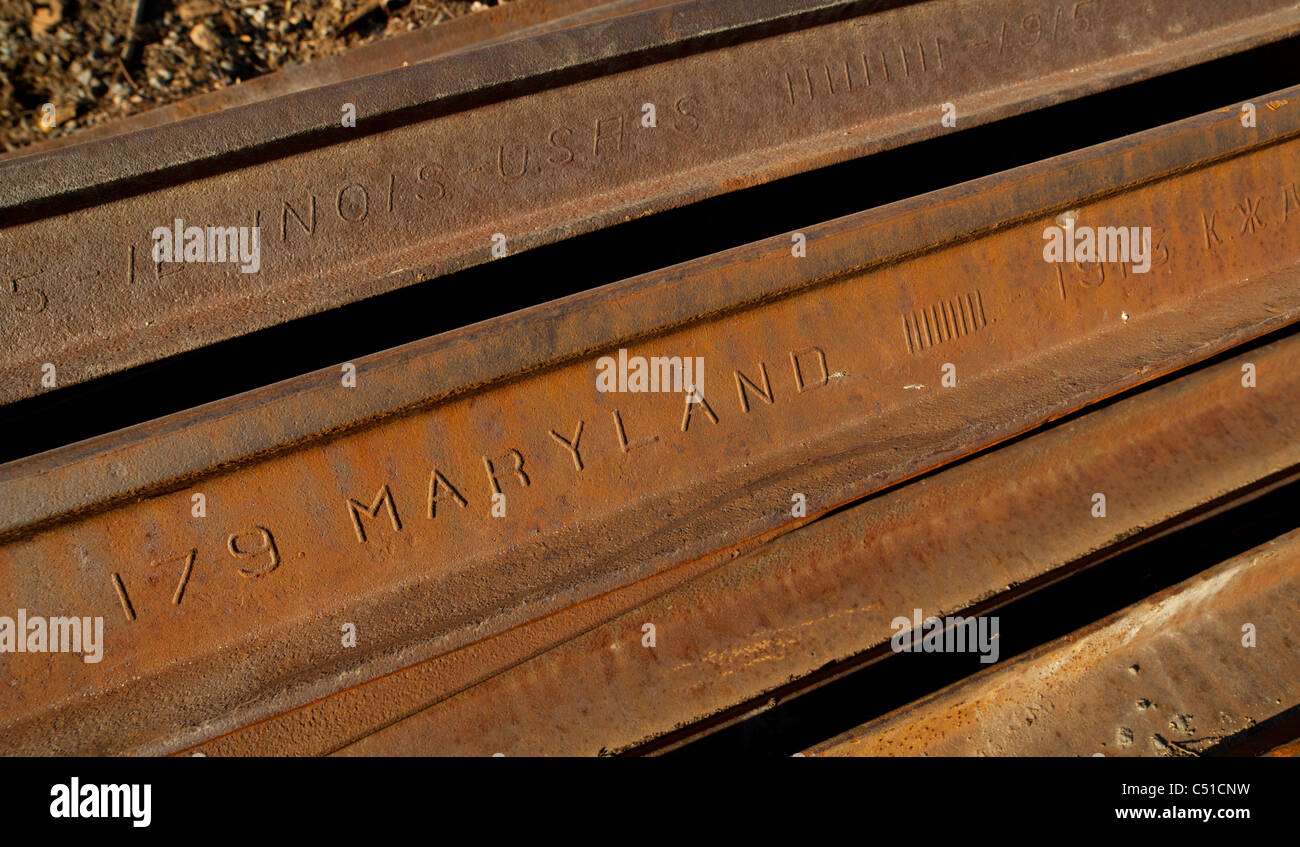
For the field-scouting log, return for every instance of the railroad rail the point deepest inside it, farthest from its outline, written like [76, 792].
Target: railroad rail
[487, 152]
[1171, 675]
[270, 569]
[908, 407]
[993, 527]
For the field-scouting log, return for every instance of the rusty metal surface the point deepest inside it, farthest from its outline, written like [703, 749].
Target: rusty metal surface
[818, 382]
[490, 25]
[536, 140]
[828, 591]
[1169, 676]
[1214, 241]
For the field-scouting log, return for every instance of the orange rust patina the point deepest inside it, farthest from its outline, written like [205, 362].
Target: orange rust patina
[813, 599]
[905, 338]
[526, 142]
[1170, 676]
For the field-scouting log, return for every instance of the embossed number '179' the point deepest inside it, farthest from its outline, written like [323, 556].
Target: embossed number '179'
[254, 548]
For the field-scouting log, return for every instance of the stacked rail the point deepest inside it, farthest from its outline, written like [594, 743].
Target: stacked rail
[904, 408]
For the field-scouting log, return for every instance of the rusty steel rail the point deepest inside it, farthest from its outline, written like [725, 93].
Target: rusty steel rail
[371, 505]
[826, 592]
[1172, 675]
[494, 24]
[522, 143]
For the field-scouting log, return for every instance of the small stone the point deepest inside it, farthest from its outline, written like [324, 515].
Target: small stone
[204, 38]
[46, 15]
[195, 9]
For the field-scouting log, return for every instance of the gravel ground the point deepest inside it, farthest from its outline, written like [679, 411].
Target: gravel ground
[69, 53]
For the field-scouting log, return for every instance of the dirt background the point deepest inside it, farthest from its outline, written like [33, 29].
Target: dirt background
[71, 52]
